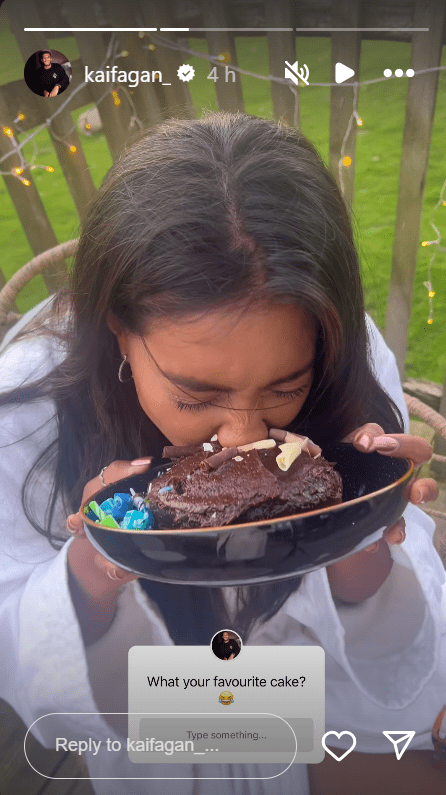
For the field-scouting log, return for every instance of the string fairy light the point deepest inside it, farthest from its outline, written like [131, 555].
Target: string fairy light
[437, 242]
[345, 160]
[17, 148]
[155, 40]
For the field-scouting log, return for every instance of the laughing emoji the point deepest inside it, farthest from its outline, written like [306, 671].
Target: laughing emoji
[226, 698]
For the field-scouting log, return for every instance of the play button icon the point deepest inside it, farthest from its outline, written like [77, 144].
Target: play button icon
[343, 72]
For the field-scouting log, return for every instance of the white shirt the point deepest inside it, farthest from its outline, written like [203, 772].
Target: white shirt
[385, 658]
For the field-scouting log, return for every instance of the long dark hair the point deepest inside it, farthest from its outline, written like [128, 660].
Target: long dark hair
[196, 215]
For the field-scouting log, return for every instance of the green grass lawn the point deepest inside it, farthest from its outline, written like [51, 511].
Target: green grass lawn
[382, 109]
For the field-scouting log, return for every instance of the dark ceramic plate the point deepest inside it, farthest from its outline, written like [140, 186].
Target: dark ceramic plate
[375, 495]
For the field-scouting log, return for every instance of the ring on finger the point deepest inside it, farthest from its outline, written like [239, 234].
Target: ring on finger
[113, 574]
[101, 476]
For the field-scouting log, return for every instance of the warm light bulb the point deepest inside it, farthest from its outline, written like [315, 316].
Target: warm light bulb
[116, 102]
[72, 148]
[359, 122]
[141, 34]
[151, 47]
[88, 126]
[21, 116]
[347, 161]
[26, 182]
[431, 293]
[124, 54]
[50, 169]
[18, 170]
[425, 243]
[430, 321]
[8, 132]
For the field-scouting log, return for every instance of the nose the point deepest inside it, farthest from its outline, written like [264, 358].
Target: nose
[242, 427]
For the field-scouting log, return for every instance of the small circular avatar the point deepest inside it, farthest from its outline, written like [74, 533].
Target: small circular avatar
[226, 644]
[226, 698]
[47, 73]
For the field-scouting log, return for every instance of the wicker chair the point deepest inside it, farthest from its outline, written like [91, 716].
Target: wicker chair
[39, 264]
[45, 260]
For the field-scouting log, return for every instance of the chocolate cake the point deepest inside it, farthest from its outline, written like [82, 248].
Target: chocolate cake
[211, 486]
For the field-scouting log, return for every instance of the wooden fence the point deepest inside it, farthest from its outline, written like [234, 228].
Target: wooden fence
[151, 102]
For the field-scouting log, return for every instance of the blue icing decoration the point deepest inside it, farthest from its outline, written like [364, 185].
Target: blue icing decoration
[108, 506]
[123, 500]
[151, 523]
[138, 520]
[133, 520]
[117, 506]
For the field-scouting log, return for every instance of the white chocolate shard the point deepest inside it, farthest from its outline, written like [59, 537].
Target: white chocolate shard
[263, 444]
[290, 451]
[238, 458]
[288, 438]
[207, 447]
[214, 438]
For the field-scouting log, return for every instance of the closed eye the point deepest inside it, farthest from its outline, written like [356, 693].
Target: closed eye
[204, 404]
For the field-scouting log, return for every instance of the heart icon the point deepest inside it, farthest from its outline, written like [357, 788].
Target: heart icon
[339, 735]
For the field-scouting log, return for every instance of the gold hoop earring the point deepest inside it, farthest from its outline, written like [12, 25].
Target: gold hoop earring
[121, 366]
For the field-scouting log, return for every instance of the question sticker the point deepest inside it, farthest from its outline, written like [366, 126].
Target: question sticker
[266, 705]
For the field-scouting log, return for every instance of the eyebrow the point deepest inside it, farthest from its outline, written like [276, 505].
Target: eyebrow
[196, 385]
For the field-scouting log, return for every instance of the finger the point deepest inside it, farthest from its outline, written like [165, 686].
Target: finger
[112, 571]
[372, 548]
[362, 437]
[423, 490]
[75, 524]
[403, 446]
[370, 438]
[117, 470]
[396, 534]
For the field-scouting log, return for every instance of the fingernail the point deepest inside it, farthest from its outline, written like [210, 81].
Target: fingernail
[139, 462]
[113, 574]
[71, 525]
[365, 441]
[386, 443]
[417, 496]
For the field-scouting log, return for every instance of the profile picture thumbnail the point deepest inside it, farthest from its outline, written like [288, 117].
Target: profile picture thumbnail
[48, 73]
[226, 644]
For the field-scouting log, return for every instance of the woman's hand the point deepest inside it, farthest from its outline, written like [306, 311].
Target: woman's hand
[54, 91]
[92, 579]
[370, 438]
[358, 577]
[93, 572]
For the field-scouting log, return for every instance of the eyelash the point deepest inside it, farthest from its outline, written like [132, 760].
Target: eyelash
[182, 406]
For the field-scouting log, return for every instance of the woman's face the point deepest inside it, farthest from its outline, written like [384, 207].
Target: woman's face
[230, 373]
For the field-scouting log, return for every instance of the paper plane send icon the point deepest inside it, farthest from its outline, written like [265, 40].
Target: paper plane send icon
[400, 741]
[343, 72]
